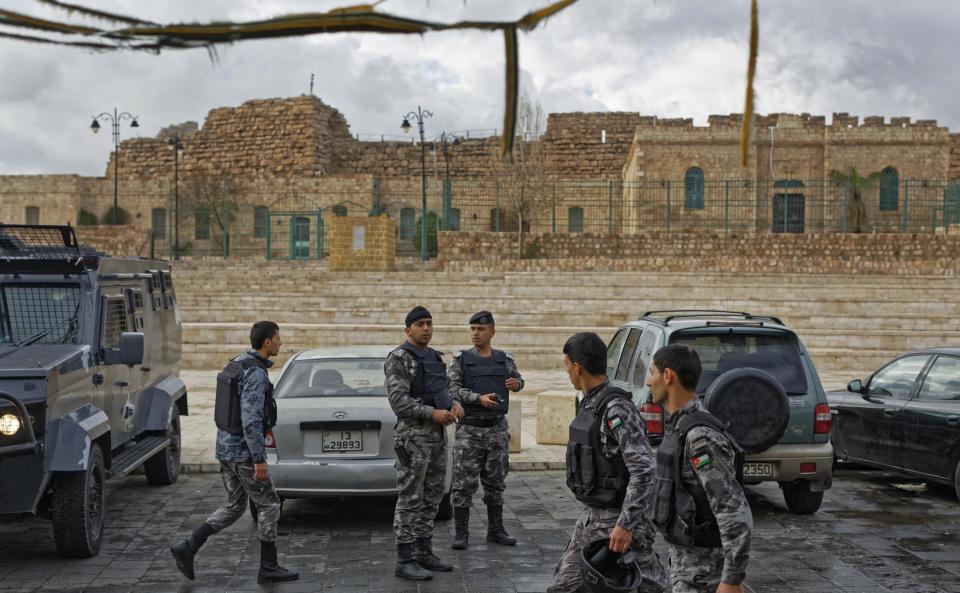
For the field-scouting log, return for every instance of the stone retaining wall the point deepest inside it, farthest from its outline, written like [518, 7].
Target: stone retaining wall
[833, 253]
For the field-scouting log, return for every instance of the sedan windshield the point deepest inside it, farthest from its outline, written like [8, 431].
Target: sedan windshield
[333, 376]
[775, 353]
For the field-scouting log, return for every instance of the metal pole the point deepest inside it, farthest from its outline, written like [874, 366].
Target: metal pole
[116, 163]
[269, 224]
[610, 207]
[176, 197]
[726, 206]
[226, 221]
[423, 184]
[906, 206]
[496, 221]
[668, 206]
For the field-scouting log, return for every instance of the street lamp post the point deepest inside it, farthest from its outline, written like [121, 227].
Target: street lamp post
[420, 115]
[114, 119]
[174, 142]
[445, 138]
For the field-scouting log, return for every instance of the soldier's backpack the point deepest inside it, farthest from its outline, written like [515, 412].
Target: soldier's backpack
[226, 412]
[704, 418]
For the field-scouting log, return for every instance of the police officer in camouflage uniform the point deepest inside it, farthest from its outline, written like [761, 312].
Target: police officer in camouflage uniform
[609, 468]
[418, 392]
[243, 465]
[481, 379]
[700, 508]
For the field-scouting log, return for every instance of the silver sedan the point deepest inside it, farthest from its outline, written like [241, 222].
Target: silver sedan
[334, 432]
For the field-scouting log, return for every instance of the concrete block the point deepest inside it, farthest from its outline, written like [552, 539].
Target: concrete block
[514, 423]
[555, 412]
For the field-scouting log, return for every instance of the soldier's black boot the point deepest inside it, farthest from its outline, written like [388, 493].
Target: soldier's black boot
[423, 552]
[186, 551]
[407, 567]
[461, 526]
[495, 531]
[270, 571]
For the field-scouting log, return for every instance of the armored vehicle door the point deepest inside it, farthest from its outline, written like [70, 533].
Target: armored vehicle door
[115, 319]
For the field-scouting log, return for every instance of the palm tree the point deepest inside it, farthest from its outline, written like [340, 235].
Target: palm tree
[855, 184]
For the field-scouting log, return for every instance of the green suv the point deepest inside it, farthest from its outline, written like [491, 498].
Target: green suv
[801, 461]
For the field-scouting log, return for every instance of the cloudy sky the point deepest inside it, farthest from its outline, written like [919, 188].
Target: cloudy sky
[672, 58]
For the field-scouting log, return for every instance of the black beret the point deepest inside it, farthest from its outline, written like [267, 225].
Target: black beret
[482, 318]
[416, 314]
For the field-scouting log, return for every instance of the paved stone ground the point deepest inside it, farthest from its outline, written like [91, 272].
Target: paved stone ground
[875, 533]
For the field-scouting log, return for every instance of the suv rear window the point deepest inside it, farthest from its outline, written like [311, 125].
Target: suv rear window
[775, 353]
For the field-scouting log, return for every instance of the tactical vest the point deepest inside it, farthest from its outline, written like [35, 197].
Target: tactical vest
[594, 479]
[485, 375]
[682, 511]
[227, 405]
[429, 387]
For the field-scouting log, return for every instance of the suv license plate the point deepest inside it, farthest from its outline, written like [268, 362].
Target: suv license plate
[340, 441]
[758, 470]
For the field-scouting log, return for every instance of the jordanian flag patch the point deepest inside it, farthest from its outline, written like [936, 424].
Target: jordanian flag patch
[614, 422]
[700, 462]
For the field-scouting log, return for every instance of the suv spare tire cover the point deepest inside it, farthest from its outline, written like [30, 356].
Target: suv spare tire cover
[753, 405]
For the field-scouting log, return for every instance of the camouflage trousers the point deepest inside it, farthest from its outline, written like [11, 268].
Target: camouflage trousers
[595, 524]
[240, 484]
[481, 455]
[695, 570]
[420, 482]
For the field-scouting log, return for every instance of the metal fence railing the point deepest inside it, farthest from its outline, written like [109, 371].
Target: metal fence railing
[285, 225]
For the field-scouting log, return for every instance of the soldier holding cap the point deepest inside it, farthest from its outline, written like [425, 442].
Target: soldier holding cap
[482, 378]
[417, 389]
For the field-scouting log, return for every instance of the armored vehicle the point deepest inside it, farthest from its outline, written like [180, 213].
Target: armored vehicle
[89, 379]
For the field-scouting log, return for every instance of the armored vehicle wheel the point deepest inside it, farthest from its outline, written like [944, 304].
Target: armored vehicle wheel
[799, 498]
[163, 468]
[77, 505]
[752, 404]
[445, 512]
[956, 481]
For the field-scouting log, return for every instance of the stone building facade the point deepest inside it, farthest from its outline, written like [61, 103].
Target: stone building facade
[692, 175]
[275, 172]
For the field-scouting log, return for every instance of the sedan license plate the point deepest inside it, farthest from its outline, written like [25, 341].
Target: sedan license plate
[757, 470]
[342, 441]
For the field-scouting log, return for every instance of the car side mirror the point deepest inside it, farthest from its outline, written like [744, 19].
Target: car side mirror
[856, 386]
[130, 351]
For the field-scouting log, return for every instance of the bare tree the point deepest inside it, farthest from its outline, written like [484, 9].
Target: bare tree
[523, 181]
[212, 198]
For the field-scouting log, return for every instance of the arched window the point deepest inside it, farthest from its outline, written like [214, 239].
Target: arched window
[575, 219]
[201, 222]
[339, 210]
[693, 189]
[496, 219]
[889, 190]
[261, 218]
[454, 222]
[158, 222]
[33, 215]
[408, 221]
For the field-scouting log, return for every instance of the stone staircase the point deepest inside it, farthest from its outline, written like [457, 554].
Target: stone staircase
[849, 324]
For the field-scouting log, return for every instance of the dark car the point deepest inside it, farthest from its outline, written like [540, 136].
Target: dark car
[905, 417]
[89, 379]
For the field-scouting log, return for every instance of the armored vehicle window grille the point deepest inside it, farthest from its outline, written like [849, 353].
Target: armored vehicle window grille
[38, 243]
[27, 310]
[115, 323]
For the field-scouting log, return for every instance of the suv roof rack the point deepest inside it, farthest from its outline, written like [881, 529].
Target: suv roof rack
[671, 314]
[42, 249]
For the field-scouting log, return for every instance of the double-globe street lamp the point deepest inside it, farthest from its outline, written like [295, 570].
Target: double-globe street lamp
[114, 119]
[420, 115]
